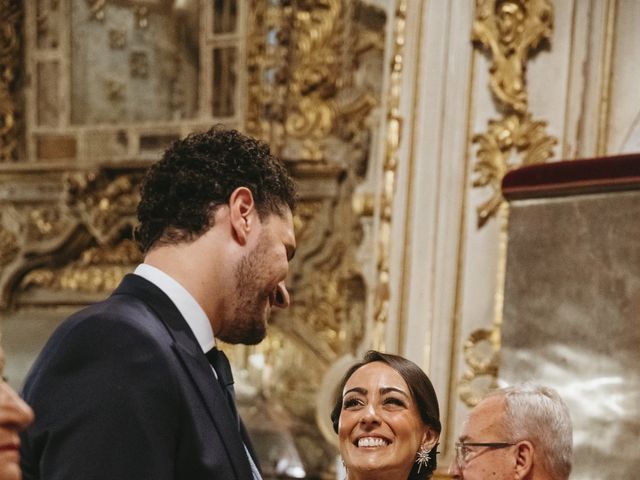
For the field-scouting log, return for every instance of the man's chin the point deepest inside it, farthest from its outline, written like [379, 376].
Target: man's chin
[244, 337]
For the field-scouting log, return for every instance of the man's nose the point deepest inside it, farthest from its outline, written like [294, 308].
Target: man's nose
[282, 299]
[454, 469]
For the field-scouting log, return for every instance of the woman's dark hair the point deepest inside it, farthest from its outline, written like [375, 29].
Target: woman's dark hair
[421, 390]
[199, 173]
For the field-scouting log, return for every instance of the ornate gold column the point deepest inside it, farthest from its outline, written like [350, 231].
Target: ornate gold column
[510, 31]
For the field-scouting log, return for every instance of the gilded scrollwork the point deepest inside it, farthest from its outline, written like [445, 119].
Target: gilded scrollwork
[105, 204]
[314, 76]
[98, 270]
[10, 48]
[510, 30]
[44, 222]
[328, 311]
[301, 97]
[481, 355]
[8, 246]
[514, 132]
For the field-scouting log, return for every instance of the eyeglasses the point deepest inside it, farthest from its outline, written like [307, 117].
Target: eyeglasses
[463, 450]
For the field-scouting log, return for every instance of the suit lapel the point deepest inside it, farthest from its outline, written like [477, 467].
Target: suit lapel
[247, 442]
[197, 366]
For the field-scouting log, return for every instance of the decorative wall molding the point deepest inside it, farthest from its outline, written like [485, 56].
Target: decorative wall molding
[11, 45]
[389, 180]
[510, 31]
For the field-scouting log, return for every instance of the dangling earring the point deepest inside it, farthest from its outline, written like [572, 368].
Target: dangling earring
[423, 458]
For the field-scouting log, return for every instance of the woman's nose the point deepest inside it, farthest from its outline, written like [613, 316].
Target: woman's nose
[282, 296]
[370, 416]
[13, 410]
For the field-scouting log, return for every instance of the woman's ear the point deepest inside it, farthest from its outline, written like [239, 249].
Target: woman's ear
[429, 438]
[242, 213]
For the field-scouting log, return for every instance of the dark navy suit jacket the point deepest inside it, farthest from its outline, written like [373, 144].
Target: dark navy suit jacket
[122, 390]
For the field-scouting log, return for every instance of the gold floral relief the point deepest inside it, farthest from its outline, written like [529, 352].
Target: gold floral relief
[513, 133]
[315, 75]
[44, 222]
[8, 246]
[510, 31]
[98, 270]
[11, 14]
[105, 204]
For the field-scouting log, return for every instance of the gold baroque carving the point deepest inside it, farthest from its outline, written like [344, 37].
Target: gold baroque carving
[99, 269]
[329, 293]
[482, 362]
[8, 246]
[510, 30]
[300, 96]
[10, 47]
[105, 205]
[44, 222]
[314, 77]
[518, 132]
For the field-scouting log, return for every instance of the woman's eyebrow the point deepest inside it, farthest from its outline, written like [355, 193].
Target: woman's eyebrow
[360, 390]
[384, 390]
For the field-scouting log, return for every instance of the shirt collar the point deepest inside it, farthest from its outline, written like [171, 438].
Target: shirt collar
[185, 303]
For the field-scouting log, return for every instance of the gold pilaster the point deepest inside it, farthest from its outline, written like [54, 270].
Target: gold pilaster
[511, 31]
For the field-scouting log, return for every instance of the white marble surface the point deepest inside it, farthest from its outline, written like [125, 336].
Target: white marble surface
[571, 318]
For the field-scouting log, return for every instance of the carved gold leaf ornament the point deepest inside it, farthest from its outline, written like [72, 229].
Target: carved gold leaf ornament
[99, 269]
[517, 134]
[10, 47]
[105, 204]
[8, 246]
[510, 31]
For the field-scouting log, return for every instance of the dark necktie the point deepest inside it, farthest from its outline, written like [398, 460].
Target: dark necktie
[220, 364]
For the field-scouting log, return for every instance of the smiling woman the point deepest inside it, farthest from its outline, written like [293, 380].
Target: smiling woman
[387, 418]
[15, 415]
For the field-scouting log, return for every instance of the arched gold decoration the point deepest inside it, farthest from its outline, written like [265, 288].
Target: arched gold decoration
[10, 48]
[510, 30]
[74, 237]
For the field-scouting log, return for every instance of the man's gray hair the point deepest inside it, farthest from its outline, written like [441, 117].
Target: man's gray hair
[538, 414]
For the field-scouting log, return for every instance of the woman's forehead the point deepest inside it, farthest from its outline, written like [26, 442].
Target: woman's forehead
[374, 376]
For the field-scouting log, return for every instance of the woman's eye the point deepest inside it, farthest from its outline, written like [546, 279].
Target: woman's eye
[394, 401]
[350, 403]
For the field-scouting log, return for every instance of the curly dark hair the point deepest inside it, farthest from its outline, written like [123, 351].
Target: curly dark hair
[197, 174]
[421, 390]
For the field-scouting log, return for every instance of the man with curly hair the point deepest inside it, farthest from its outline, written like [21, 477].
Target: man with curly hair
[134, 386]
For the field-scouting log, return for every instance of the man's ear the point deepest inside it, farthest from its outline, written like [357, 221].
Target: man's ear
[524, 458]
[242, 213]
[429, 438]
